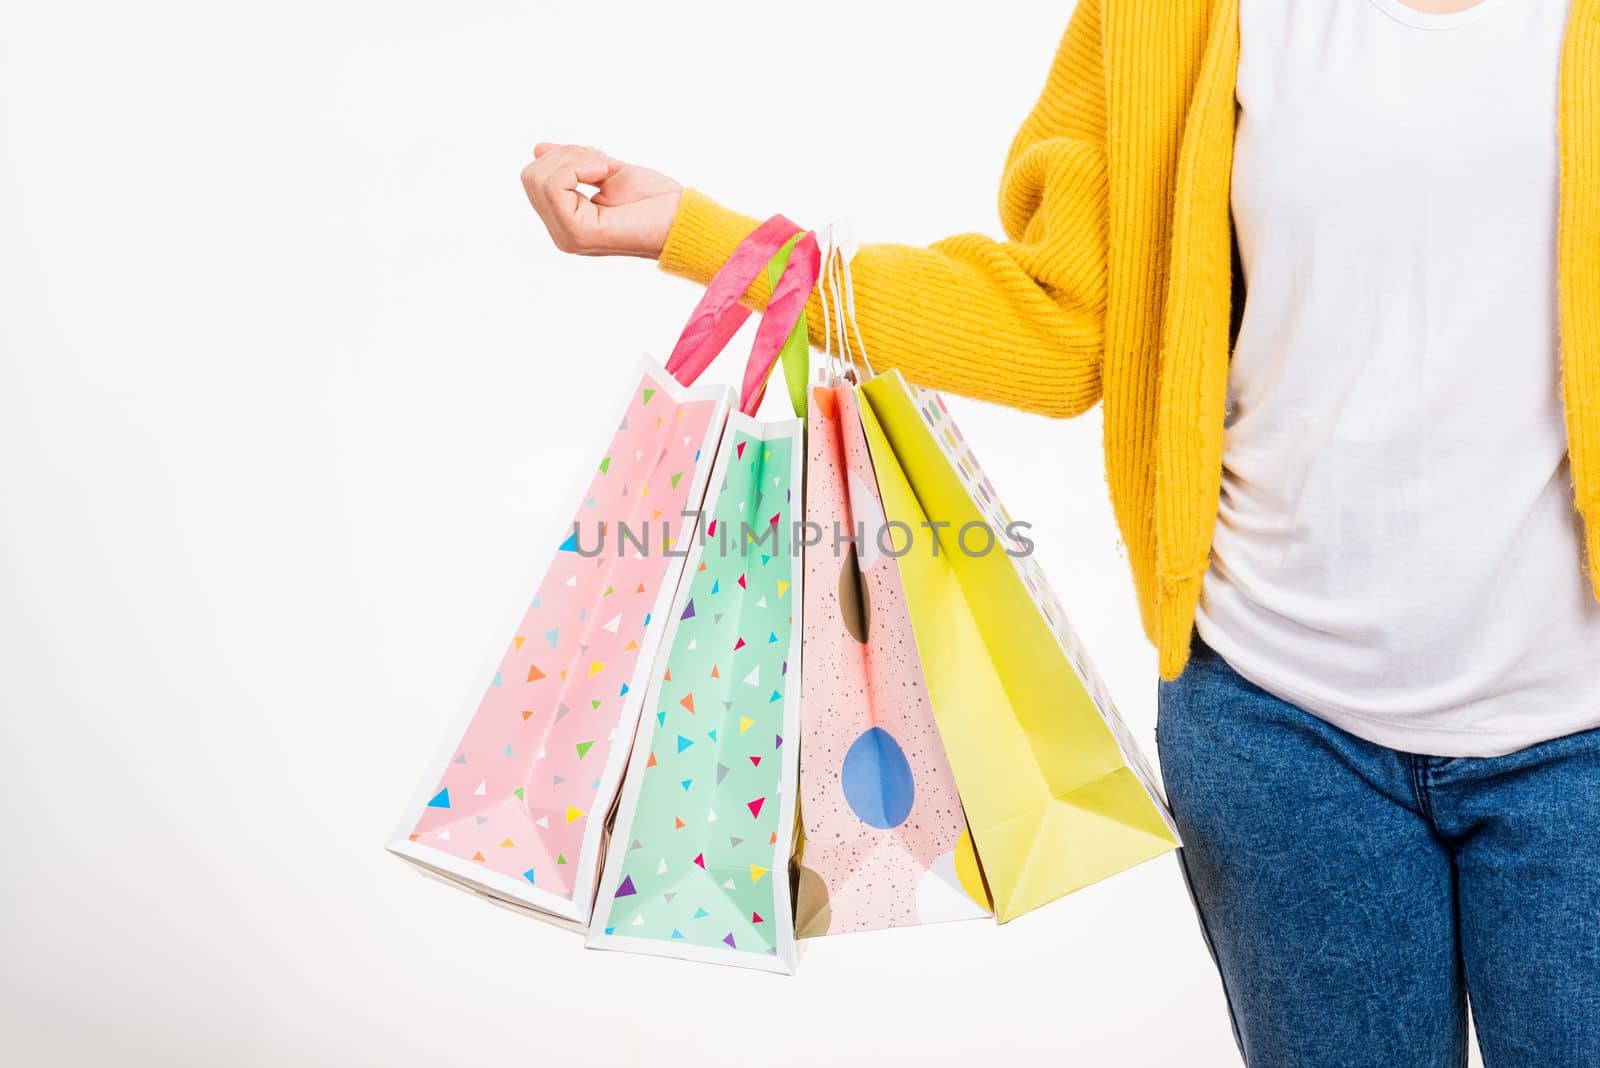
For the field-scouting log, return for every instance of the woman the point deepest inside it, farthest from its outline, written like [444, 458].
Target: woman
[1333, 266]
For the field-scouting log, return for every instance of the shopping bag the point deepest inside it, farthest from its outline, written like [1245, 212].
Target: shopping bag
[517, 808]
[885, 840]
[1055, 789]
[705, 824]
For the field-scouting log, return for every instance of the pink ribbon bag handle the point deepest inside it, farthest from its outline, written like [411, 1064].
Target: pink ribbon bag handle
[719, 314]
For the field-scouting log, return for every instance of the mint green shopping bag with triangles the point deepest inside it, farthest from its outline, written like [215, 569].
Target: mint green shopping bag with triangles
[698, 864]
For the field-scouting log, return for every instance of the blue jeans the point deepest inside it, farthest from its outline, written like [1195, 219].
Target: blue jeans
[1354, 897]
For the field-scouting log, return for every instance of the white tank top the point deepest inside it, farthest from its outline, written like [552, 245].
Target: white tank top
[1397, 548]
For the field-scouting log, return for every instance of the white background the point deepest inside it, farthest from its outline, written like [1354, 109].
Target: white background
[291, 381]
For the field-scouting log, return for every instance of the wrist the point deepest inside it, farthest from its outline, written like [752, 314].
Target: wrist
[671, 206]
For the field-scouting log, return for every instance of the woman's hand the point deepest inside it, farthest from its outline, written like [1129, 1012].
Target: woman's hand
[629, 214]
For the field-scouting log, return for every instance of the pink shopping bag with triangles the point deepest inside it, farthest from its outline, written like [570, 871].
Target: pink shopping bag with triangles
[517, 805]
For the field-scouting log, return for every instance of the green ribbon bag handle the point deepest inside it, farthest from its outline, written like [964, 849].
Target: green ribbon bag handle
[796, 352]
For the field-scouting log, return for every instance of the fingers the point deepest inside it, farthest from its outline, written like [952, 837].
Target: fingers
[594, 171]
[562, 168]
[551, 182]
[630, 213]
[593, 165]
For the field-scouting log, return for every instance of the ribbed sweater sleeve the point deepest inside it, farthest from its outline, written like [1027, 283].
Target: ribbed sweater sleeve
[1580, 265]
[1018, 321]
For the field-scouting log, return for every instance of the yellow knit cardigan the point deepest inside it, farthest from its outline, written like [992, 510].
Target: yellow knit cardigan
[1118, 281]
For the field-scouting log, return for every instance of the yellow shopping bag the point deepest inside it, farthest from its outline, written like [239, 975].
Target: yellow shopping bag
[1056, 792]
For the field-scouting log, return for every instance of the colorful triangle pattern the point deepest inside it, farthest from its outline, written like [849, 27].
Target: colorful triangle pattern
[707, 813]
[519, 790]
